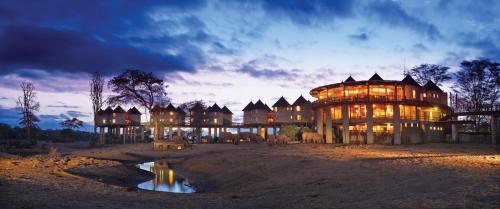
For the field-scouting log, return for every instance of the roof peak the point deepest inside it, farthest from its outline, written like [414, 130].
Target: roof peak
[349, 79]
[375, 77]
[281, 102]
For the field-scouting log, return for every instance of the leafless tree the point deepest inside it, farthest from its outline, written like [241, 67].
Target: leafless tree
[96, 89]
[141, 88]
[425, 72]
[28, 105]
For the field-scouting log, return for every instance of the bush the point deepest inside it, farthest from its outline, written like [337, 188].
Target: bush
[290, 131]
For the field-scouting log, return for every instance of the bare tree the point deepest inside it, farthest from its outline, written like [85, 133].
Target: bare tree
[141, 88]
[478, 84]
[72, 123]
[28, 106]
[96, 89]
[425, 72]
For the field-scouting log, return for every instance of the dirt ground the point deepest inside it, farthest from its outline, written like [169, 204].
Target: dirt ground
[259, 176]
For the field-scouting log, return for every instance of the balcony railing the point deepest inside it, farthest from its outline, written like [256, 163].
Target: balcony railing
[373, 98]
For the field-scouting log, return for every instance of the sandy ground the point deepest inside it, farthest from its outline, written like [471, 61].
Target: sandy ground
[259, 176]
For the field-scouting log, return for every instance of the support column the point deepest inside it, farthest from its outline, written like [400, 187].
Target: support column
[454, 130]
[274, 130]
[369, 123]
[328, 118]
[259, 131]
[319, 121]
[209, 132]
[345, 124]
[125, 135]
[170, 132]
[101, 135]
[494, 133]
[141, 132]
[238, 130]
[251, 130]
[179, 131]
[397, 124]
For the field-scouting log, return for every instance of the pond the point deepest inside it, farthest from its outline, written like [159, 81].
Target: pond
[165, 180]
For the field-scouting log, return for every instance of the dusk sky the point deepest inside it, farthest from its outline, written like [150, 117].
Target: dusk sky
[229, 52]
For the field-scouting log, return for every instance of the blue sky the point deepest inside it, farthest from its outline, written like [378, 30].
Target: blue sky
[226, 51]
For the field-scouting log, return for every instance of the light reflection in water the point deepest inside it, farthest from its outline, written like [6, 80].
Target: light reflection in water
[175, 184]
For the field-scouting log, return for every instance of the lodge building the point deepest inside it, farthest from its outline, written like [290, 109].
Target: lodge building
[379, 111]
[120, 123]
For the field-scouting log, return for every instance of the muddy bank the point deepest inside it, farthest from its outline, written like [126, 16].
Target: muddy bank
[121, 175]
[261, 176]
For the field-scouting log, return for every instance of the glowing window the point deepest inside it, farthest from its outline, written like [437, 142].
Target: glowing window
[114, 120]
[299, 117]
[171, 120]
[171, 113]
[291, 117]
[414, 94]
[297, 108]
[215, 120]
[104, 121]
[275, 109]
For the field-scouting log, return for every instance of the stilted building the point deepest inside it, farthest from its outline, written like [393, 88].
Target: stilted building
[121, 124]
[379, 111]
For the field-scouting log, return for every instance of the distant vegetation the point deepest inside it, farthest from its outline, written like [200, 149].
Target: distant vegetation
[8, 133]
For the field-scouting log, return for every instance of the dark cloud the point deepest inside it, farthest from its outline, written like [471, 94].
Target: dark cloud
[420, 47]
[267, 67]
[391, 13]
[267, 73]
[63, 106]
[45, 48]
[219, 48]
[76, 114]
[313, 12]
[487, 44]
[359, 37]
[83, 36]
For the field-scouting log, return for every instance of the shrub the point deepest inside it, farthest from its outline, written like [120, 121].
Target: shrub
[290, 131]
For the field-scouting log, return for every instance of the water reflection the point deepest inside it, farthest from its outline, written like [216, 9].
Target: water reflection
[165, 180]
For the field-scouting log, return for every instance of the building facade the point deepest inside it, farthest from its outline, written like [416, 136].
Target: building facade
[257, 114]
[120, 123]
[379, 111]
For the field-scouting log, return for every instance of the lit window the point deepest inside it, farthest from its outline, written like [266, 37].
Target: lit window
[275, 109]
[291, 117]
[114, 120]
[114, 114]
[171, 113]
[414, 94]
[104, 121]
[215, 120]
[297, 108]
[299, 117]
[171, 120]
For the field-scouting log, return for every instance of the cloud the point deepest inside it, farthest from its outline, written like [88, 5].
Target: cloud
[218, 48]
[391, 13]
[76, 114]
[488, 45]
[45, 48]
[359, 37]
[307, 13]
[420, 47]
[267, 67]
